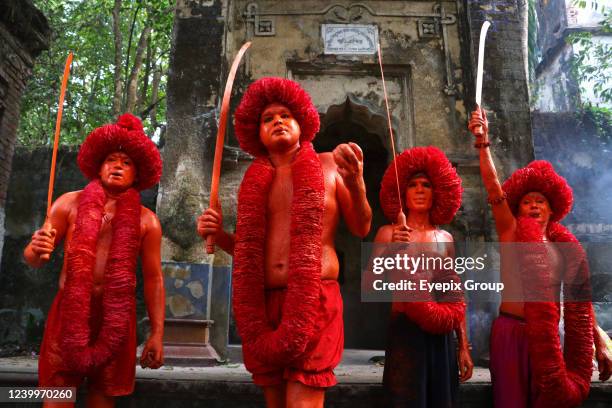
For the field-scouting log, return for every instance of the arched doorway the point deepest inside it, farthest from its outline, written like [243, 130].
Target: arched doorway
[365, 324]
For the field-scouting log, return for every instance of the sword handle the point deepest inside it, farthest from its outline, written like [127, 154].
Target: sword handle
[210, 240]
[401, 218]
[479, 130]
[47, 227]
[210, 244]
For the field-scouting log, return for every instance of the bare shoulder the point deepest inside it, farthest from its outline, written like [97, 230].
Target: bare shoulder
[66, 203]
[69, 198]
[444, 236]
[330, 170]
[327, 160]
[149, 220]
[384, 233]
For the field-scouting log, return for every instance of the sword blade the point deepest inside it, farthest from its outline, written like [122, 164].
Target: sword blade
[216, 171]
[481, 47]
[58, 125]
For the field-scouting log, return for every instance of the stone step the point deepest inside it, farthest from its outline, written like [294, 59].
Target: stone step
[229, 385]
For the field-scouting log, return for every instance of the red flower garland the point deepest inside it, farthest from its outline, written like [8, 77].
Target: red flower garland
[80, 352]
[562, 378]
[289, 340]
[435, 313]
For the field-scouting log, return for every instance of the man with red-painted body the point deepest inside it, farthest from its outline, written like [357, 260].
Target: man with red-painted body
[528, 208]
[289, 206]
[91, 328]
[421, 364]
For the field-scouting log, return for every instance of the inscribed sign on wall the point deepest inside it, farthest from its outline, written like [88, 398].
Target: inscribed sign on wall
[349, 38]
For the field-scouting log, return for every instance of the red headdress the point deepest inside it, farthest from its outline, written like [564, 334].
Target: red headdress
[262, 93]
[127, 136]
[441, 173]
[540, 176]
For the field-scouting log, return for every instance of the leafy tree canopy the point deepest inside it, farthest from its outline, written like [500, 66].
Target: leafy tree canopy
[143, 31]
[592, 59]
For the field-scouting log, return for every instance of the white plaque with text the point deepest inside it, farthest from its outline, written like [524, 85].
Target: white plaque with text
[349, 38]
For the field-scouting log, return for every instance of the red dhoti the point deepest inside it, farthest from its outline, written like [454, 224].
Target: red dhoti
[315, 366]
[113, 379]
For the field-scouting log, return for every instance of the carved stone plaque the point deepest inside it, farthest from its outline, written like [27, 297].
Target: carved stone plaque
[349, 38]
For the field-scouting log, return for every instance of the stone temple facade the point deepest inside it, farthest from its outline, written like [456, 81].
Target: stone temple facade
[429, 52]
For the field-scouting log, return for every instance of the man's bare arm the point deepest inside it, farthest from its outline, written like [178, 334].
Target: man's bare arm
[155, 297]
[464, 359]
[603, 354]
[351, 190]
[504, 219]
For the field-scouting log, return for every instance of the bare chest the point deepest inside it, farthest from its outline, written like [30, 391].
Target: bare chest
[281, 194]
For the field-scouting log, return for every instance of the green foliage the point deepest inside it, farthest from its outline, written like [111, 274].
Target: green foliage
[591, 64]
[86, 28]
[598, 118]
[592, 59]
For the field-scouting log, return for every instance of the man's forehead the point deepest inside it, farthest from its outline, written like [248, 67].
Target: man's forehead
[418, 176]
[118, 154]
[535, 194]
[275, 107]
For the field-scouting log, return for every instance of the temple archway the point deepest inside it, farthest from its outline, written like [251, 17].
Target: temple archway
[365, 324]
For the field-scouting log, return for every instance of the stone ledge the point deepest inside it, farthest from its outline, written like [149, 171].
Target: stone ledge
[359, 385]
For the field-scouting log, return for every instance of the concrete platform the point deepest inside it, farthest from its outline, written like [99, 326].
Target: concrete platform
[229, 385]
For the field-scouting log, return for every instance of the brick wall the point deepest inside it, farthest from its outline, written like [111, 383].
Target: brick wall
[24, 33]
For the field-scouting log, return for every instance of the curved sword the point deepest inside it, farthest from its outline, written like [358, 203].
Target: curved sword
[480, 67]
[58, 124]
[214, 185]
[479, 70]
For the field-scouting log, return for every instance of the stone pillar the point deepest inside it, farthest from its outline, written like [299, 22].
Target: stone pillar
[196, 68]
[505, 93]
[193, 83]
[505, 96]
[24, 33]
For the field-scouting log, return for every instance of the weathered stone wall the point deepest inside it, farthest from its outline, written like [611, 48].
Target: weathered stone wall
[554, 88]
[27, 293]
[551, 25]
[429, 51]
[24, 33]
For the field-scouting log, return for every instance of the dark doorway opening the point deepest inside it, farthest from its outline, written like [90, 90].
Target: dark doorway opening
[365, 324]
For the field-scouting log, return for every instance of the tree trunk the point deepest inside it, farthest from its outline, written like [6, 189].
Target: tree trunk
[126, 64]
[92, 94]
[154, 95]
[145, 78]
[132, 87]
[118, 89]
